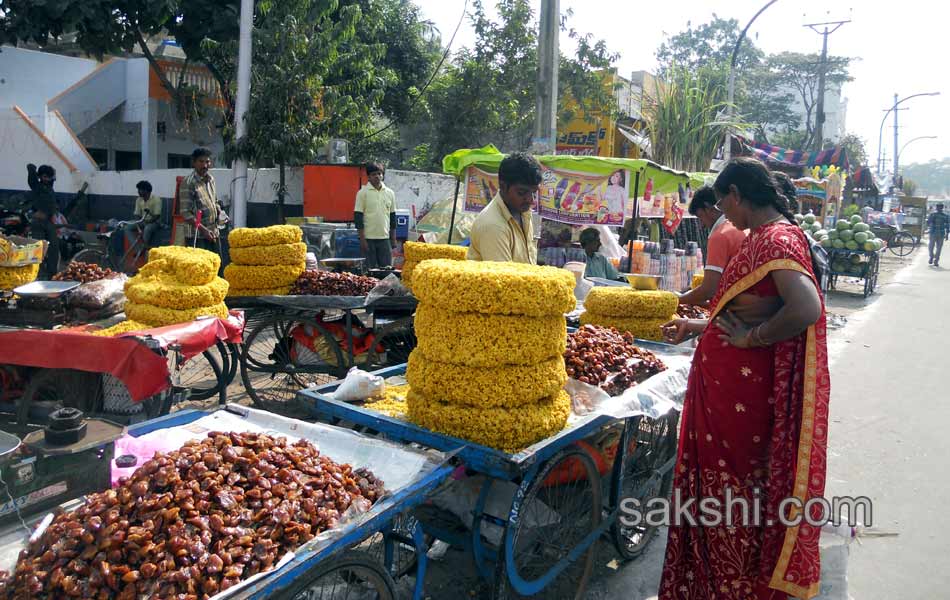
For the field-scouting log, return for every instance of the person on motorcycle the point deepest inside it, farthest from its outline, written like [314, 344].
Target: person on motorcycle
[45, 209]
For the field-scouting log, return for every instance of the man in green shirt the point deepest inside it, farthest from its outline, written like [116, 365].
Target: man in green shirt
[375, 216]
[148, 209]
[597, 264]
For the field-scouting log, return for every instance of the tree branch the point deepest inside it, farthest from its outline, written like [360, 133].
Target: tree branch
[162, 77]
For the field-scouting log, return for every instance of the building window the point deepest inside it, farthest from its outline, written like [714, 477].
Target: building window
[128, 161]
[179, 161]
[100, 156]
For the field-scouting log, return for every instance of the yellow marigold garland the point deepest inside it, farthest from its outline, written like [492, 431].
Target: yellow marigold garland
[642, 328]
[627, 302]
[407, 268]
[156, 316]
[503, 385]
[697, 280]
[241, 276]
[507, 429]
[244, 237]
[392, 402]
[494, 287]
[278, 254]
[479, 340]
[120, 328]
[193, 266]
[12, 277]
[243, 292]
[165, 291]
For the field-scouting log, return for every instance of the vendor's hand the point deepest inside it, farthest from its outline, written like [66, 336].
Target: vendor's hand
[735, 331]
[364, 247]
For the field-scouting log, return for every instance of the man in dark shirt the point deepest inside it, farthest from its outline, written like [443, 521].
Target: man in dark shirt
[938, 223]
[44, 209]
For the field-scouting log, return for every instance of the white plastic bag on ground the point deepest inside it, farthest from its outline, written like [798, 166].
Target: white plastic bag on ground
[359, 385]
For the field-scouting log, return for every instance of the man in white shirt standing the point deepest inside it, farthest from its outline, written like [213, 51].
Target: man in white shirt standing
[375, 217]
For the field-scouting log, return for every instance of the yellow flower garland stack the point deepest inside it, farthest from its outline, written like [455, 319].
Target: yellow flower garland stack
[416, 252]
[489, 363]
[176, 285]
[642, 313]
[265, 261]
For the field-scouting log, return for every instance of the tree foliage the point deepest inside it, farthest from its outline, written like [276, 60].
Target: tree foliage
[707, 45]
[854, 145]
[486, 94]
[933, 177]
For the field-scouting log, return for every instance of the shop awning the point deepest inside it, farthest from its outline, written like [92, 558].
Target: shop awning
[768, 153]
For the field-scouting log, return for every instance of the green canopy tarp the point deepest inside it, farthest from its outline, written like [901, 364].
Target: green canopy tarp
[488, 158]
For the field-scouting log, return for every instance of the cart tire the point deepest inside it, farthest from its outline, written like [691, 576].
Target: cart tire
[643, 477]
[67, 387]
[271, 374]
[340, 578]
[902, 244]
[194, 374]
[394, 342]
[234, 360]
[536, 548]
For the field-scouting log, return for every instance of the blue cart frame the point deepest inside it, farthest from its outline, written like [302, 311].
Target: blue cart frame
[522, 468]
[353, 533]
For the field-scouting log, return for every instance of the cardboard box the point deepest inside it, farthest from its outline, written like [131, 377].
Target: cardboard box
[22, 251]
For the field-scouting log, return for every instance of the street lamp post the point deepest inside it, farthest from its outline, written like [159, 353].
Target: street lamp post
[922, 137]
[727, 153]
[880, 136]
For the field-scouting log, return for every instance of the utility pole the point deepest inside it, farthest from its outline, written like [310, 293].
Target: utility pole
[822, 68]
[545, 120]
[238, 196]
[896, 152]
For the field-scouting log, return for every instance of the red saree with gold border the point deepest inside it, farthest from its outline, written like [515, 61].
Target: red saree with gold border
[755, 421]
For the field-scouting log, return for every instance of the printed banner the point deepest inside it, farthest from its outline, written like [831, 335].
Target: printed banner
[660, 206]
[480, 187]
[565, 196]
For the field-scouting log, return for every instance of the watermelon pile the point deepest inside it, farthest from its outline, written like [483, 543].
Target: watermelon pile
[853, 234]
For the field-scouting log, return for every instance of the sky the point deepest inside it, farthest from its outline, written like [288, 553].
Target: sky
[903, 49]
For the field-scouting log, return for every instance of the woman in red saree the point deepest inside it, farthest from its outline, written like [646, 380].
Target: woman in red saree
[756, 411]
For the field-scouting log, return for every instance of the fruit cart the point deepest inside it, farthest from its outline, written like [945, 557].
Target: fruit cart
[128, 378]
[327, 566]
[854, 264]
[292, 342]
[565, 495]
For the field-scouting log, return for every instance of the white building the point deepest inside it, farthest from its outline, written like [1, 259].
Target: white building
[81, 115]
[836, 111]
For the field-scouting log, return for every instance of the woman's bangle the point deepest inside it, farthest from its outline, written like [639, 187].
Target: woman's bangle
[757, 335]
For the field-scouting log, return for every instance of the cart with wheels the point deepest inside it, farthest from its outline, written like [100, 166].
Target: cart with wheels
[292, 342]
[857, 264]
[330, 565]
[564, 494]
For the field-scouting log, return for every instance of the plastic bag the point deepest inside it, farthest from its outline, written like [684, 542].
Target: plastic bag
[99, 294]
[390, 286]
[359, 385]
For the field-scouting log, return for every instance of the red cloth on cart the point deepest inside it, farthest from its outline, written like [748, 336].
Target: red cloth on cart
[126, 357]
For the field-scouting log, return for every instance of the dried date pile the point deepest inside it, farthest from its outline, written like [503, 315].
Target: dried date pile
[688, 311]
[83, 273]
[609, 359]
[328, 283]
[191, 523]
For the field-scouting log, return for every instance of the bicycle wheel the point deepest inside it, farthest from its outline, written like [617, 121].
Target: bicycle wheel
[902, 244]
[353, 576]
[395, 340]
[203, 376]
[93, 256]
[546, 526]
[274, 367]
[404, 552]
[642, 477]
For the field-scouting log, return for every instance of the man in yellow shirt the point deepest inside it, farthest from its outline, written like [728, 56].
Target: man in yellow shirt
[503, 231]
[375, 216]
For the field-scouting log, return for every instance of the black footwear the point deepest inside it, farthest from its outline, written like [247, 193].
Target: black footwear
[930, 261]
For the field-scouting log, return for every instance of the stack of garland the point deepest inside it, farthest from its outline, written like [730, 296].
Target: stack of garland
[265, 261]
[489, 363]
[642, 313]
[416, 252]
[176, 285]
